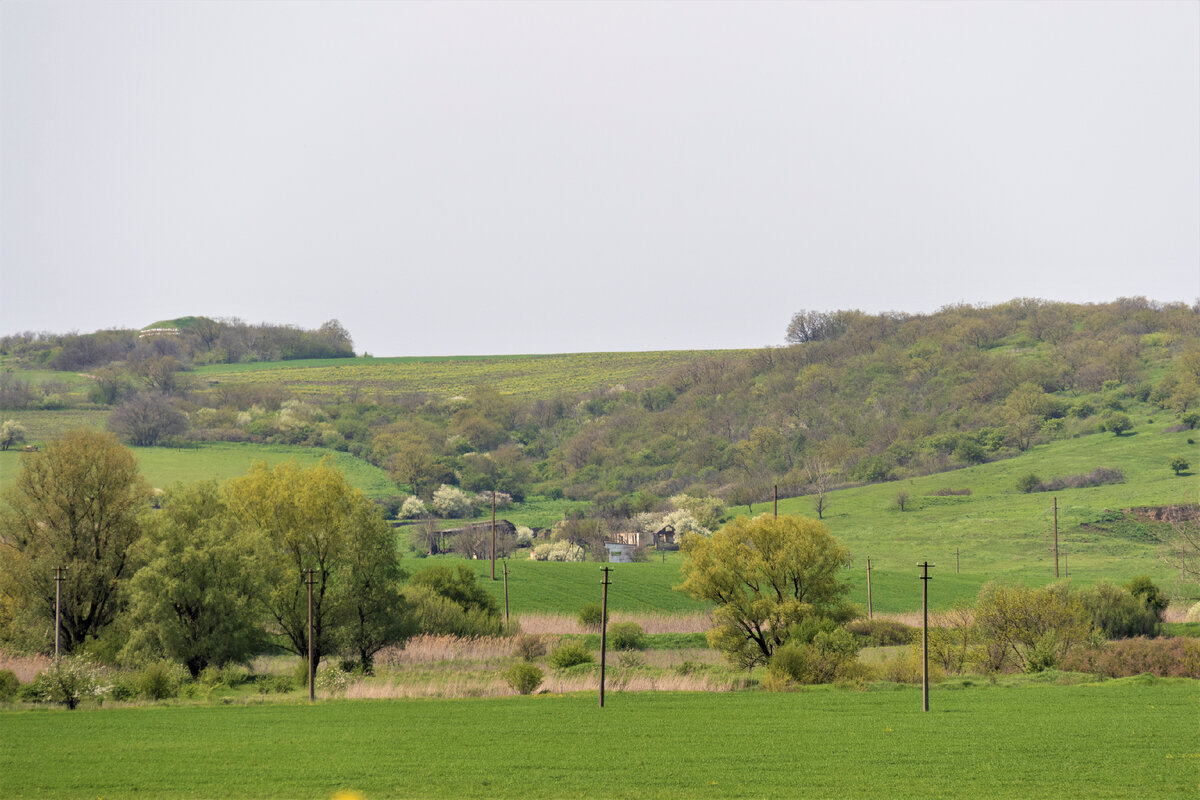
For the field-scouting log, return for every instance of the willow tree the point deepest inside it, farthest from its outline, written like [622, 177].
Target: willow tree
[80, 503]
[765, 575]
[312, 519]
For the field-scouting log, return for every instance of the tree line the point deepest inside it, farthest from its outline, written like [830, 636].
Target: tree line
[216, 572]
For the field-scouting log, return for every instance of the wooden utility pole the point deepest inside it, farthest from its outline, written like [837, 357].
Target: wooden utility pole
[870, 612]
[310, 580]
[925, 579]
[493, 534]
[777, 501]
[506, 592]
[603, 628]
[1056, 537]
[58, 580]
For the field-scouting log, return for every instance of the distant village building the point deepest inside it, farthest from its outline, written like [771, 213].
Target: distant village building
[619, 552]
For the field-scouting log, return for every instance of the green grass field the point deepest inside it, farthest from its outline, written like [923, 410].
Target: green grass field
[1121, 739]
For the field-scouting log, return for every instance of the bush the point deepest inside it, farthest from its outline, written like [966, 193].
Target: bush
[68, 683]
[907, 668]
[411, 508]
[8, 684]
[529, 647]
[450, 501]
[569, 655]
[558, 551]
[331, 679]
[1120, 614]
[1173, 657]
[1028, 483]
[123, 688]
[825, 659]
[1116, 423]
[278, 684]
[1097, 477]
[627, 636]
[523, 678]
[1179, 465]
[159, 680]
[591, 616]
[881, 632]
[1034, 628]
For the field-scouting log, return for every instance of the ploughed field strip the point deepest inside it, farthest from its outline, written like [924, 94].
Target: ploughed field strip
[1120, 739]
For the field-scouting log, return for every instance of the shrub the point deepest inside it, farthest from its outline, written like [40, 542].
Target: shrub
[881, 632]
[570, 654]
[411, 508]
[1179, 464]
[8, 684]
[627, 636]
[1116, 423]
[1191, 419]
[558, 551]
[450, 501]
[824, 659]
[1097, 477]
[523, 678]
[68, 683]
[591, 616]
[159, 680]
[278, 684]
[1034, 628]
[1120, 614]
[1172, 657]
[331, 679]
[1028, 483]
[529, 647]
[907, 667]
[123, 688]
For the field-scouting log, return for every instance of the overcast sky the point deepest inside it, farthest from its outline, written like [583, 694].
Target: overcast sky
[451, 178]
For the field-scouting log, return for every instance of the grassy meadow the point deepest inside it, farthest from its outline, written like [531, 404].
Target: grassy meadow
[1119, 739]
[445, 377]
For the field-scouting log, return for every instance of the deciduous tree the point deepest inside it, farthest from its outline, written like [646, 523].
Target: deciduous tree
[765, 575]
[81, 504]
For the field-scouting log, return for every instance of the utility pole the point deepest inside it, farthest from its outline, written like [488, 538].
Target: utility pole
[58, 580]
[493, 534]
[506, 592]
[925, 579]
[869, 608]
[777, 501]
[603, 628]
[310, 580]
[1056, 537]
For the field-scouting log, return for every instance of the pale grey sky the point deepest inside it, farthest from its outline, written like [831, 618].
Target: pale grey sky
[556, 177]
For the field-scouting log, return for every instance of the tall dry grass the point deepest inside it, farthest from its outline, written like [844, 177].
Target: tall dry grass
[26, 668]
[651, 623]
[429, 648]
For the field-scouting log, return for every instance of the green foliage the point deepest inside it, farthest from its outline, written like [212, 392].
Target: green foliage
[824, 657]
[1028, 482]
[569, 654]
[1118, 613]
[626, 636]
[1116, 423]
[881, 632]
[68, 683]
[159, 680]
[458, 585]
[8, 685]
[1034, 628]
[11, 433]
[523, 678]
[591, 615]
[81, 504]
[765, 575]
[312, 519]
[1179, 464]
[198, 598]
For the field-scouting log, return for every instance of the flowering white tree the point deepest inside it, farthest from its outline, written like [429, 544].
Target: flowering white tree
[685, 523]
[450, 501]
[412, 508]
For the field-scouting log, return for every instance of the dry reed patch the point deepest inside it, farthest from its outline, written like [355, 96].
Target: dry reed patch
[428, 648]
[1176, 612]
[910, 618]
[641, 682]
[26, 668]
[651, 623]
[462, 685]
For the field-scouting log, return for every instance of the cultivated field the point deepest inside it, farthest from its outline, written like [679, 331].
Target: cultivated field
[1119, 739]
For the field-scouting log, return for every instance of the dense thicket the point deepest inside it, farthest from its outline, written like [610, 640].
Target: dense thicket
[194, 340]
